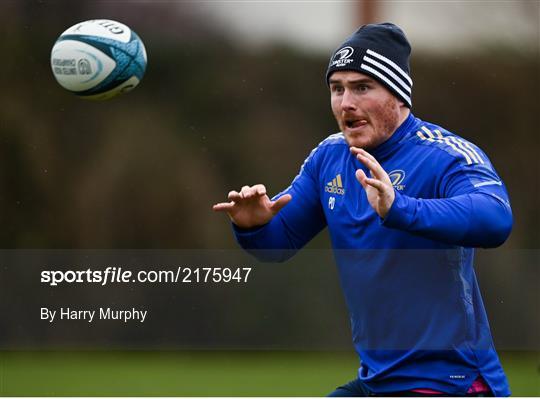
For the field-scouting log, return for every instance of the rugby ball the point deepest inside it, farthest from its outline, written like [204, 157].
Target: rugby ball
[98, 59]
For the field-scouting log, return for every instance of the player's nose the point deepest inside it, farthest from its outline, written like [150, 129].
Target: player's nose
[347, 101]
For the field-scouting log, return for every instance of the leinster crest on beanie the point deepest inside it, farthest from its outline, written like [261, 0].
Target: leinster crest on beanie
[381, 51]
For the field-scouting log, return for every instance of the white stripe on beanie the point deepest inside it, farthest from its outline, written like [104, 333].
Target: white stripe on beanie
[391, 63]
[387, 81]
[377, 65]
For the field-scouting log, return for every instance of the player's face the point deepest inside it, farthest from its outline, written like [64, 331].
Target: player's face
[366, 112]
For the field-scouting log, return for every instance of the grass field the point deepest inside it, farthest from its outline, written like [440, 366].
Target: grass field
[203, 373]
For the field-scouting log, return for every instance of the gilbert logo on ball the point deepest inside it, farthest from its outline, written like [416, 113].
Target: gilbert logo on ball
[98, 59]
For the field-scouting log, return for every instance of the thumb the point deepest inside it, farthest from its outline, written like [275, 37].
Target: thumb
[361, 177]
[280, 203]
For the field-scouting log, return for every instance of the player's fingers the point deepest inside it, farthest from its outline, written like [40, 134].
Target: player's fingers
[368, 163]
[260, 189]
[374, 167]
[223, 206]
[280, 203]
[358, 150]
[367, 155]
[369, 160]
[364, 157]
[245, 191]
[361, 177]
[355, 150]
[234, 196]
[379, 185]
[253, 191]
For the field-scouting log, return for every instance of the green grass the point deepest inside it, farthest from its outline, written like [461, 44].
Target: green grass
[202, 373]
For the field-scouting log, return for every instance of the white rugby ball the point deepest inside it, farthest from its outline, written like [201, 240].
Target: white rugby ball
[98, 59]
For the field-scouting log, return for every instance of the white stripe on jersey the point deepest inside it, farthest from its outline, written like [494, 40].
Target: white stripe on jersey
[431, 137]
[489, 183]
[466, 146]
[460, 146]
[474, 156]
[469, 146]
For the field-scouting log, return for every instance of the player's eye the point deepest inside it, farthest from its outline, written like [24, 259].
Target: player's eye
[336, 89]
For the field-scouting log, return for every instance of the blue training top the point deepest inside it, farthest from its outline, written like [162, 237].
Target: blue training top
[416, 312]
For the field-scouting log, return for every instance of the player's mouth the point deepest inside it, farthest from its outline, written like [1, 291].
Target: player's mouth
[354, 124]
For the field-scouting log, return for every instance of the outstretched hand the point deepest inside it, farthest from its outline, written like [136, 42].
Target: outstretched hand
[378, 186]
[251, 206]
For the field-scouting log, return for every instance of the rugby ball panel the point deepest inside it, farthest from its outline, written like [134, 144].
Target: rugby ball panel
[78, 66]
[128, 85]
[105, 28]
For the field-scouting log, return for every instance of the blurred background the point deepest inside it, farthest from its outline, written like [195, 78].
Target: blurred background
[234, 94]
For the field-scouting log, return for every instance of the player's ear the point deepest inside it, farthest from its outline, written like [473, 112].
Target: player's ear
[402, 104]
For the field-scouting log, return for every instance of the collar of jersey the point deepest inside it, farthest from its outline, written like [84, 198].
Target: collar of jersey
[391, 145]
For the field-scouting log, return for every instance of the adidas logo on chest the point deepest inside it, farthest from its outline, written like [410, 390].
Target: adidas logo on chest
[335, 186]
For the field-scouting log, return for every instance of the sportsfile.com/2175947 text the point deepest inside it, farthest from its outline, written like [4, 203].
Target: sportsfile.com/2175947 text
[113, 274]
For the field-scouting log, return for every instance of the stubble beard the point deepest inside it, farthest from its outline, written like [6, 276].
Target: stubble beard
[382, 125]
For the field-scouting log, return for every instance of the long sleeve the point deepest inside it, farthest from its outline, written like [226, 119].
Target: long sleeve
[295, 225]
[474, 210]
